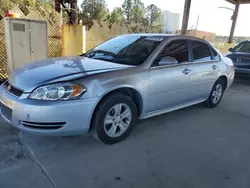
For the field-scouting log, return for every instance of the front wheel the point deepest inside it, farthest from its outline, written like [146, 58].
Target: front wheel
[216, 94]
[114, 118]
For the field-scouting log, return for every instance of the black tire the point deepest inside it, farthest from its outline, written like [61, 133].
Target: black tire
[210, 102]
[103, 108]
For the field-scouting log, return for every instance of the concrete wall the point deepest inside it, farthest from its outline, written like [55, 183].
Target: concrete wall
[73, 40]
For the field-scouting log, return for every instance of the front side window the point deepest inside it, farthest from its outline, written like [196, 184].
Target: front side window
[176, 51]
[128, 49]
[242, 47]
[200, 51]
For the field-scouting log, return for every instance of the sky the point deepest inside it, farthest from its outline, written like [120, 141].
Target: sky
[211, 18]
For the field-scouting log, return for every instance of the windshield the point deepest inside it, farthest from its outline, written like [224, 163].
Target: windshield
[129, 50]
[242, 47]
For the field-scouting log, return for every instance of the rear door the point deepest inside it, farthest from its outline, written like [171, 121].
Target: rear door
[205, 68]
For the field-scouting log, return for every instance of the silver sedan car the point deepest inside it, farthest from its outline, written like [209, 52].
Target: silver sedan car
[105, 90]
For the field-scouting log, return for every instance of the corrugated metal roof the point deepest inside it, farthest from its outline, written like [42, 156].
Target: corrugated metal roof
[241, 1]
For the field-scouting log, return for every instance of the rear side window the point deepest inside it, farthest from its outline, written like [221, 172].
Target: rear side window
[216, 56]
[200, 51]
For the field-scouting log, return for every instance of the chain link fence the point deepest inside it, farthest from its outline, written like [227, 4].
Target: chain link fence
[32, 13]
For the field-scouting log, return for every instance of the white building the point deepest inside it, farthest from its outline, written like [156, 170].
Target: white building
[171, 22]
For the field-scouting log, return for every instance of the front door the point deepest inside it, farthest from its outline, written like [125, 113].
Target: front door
[169, 84]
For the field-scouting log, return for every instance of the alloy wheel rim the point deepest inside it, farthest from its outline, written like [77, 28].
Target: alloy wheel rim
[217, 93]
[117, 120]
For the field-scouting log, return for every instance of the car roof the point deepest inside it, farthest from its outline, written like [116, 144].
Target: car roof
[163, 35]
[150, 34]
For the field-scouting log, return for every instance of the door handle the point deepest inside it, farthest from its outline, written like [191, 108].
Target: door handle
[214, 67]
[187, 71]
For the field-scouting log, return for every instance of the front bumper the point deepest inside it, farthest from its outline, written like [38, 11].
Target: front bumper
[55, 118]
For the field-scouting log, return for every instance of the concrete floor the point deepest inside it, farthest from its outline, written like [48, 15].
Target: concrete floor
[190, 148]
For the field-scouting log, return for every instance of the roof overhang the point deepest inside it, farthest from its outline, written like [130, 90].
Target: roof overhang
[241, 1]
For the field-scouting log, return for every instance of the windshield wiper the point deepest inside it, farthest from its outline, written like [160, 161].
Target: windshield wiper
[83, 55]
[114, 56]
[108, 60]
[91, 54]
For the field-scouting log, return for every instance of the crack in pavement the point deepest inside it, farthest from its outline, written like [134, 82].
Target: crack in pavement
[21, 140]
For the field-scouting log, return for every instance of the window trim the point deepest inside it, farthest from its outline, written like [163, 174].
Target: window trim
[173, 65]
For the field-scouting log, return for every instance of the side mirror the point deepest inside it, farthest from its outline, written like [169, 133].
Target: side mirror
[168, 60]
[230, 49]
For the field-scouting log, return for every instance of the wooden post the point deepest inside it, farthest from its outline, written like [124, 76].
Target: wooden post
[235, 15]
[185, 18]
[57, 5]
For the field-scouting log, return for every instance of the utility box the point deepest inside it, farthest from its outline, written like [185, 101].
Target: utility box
[26, 41]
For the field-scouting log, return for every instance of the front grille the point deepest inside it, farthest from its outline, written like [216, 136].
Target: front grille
[12, 90]
[43, 125]
[6, 112]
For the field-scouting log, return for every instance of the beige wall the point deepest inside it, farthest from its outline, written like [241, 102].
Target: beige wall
[102, 31]
[73, 40]
[73, 37]
[201, 34]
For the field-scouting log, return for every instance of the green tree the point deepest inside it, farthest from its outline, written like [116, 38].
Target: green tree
[127, 9]
[8, 4]
[154, 14]
[154, 18]
[94, 10]
[116, 16]
[134, 11]
[138, 12]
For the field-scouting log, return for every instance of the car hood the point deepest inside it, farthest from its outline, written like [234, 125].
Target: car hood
[228, 54]
[58, 69]
[244, 57]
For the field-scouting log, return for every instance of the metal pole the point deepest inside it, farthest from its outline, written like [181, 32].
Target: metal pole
[185, 18]
[197, 22]
[235, 15]
[227, 8]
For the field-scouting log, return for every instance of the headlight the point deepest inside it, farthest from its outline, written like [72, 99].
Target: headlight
[60, 91]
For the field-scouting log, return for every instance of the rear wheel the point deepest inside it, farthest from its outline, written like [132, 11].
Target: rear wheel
[216, 94]
[114, 118]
